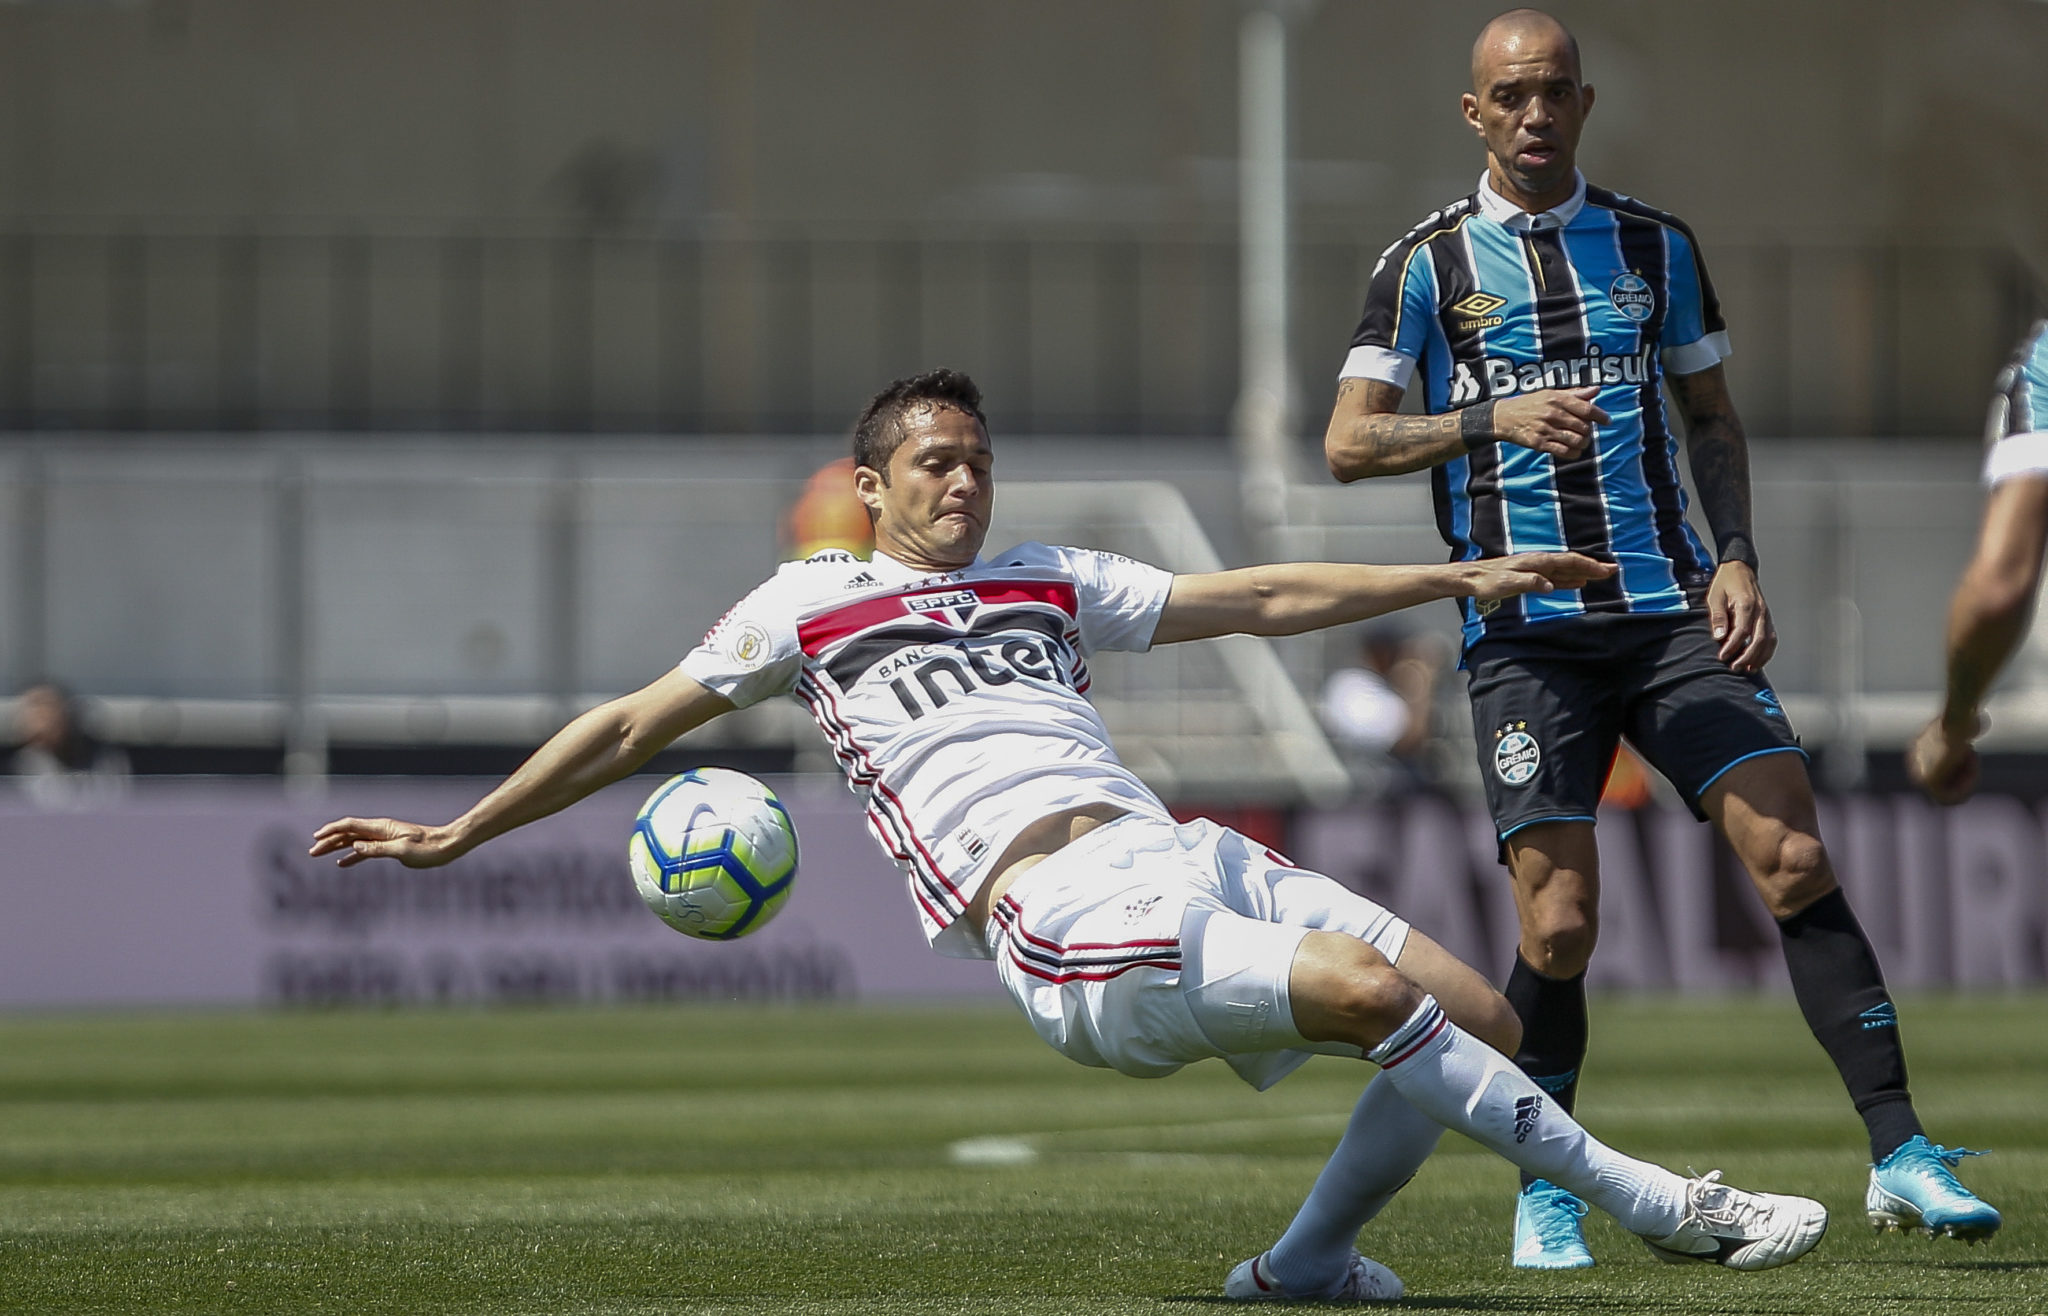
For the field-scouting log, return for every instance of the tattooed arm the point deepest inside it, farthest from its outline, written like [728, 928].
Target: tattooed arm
[1366, 437]
[1719, 452]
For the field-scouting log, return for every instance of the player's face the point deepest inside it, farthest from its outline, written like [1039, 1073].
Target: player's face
[933, 511]
[1529, 106]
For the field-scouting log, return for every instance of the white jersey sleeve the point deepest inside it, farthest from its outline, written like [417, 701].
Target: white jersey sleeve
[752, 653]
[1120, 599]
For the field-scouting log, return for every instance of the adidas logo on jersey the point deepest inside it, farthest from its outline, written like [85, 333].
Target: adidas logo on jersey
[865, 580]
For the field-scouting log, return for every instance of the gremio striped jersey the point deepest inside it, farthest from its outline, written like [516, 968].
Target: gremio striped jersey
[2017, 431]
[955, 703]
[1486, 301]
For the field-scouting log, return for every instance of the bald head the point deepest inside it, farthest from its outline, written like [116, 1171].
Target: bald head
[1528, 102]
[1515, 37]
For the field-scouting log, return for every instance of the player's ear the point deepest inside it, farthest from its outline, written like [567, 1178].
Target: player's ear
[1470, 105]
[867, 486]
[1585, 98]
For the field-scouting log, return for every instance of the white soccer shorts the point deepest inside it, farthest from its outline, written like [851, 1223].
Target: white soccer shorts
[1146, 945]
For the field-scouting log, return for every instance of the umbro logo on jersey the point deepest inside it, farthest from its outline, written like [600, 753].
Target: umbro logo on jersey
[953, 607]
[1478, 310]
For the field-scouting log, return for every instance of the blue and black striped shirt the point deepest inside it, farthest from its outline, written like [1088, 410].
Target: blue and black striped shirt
[1488, 302]
[2017, 431]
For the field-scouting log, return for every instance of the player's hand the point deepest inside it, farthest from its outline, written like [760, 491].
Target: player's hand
[358, 839]
[1534, 573]
[1740, 619]
[1942, 764]
[1559, 421]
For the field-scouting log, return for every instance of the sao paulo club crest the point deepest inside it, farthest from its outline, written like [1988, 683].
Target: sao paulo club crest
[953, 607]
[1516, 755]
[1631, 295]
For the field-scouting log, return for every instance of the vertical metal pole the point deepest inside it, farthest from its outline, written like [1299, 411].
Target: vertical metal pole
[1848, 747]
[561, 544]
[305, 731]
[1266, 402]
[32, 580]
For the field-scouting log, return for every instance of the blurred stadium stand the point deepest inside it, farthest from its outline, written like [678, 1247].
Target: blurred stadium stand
[383, 381]
[1072, 328]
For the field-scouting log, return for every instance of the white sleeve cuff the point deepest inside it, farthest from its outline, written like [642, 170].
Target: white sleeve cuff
[2017, 454]
[1389, 367]
[1693, 357]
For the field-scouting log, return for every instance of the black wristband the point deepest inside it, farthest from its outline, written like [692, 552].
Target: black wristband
[1475, 425]
[1737, 548]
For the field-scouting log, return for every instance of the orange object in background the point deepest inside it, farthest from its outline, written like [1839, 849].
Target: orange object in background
[827, 514]
[1628, 780]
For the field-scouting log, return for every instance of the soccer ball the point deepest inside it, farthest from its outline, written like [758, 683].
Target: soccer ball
[713, 852]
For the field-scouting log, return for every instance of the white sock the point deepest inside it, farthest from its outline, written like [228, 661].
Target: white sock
[1384, 1145]
[1466, 1085]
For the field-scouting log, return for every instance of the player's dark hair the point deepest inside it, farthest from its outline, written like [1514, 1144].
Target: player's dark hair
[879, 431]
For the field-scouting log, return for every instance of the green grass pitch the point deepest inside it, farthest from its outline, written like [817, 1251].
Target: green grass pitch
[805, 1160]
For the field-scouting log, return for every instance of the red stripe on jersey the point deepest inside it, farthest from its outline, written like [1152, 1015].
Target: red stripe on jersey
[1171, 963]
[818, 633]
[885, 808]
[1008, 909]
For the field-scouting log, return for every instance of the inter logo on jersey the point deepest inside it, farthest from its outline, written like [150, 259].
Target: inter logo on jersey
[954, 607]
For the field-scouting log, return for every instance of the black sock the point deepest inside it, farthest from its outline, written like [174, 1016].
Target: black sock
[1841, 993]
[1553, 1015]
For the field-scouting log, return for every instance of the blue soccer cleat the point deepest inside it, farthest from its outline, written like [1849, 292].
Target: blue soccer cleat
[1916, 1187]
[1547, 1231]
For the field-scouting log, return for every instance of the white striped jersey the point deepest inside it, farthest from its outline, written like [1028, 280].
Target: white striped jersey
[955, 703]
[2016, 433]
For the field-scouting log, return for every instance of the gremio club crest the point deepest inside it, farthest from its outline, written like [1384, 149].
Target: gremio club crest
[1516, 755]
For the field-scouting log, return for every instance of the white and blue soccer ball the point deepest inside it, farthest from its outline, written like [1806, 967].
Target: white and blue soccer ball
[714, 853]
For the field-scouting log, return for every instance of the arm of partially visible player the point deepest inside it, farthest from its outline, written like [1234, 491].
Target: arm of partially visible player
[1367, 436]
[598, 748]
[1719, 453]
[1986, 621]
[1287, 598]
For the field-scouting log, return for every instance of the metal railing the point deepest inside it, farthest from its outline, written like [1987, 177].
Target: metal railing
[316, 595]
[383, 590]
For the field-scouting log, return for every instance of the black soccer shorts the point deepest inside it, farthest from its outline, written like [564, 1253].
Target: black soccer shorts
[1550, 701]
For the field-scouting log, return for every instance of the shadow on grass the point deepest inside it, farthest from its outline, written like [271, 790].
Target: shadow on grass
[1455, 1302]
[1986, 1264]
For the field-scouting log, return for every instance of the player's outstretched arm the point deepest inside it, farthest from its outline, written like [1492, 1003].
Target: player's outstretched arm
[1987, 618]
[1367, 436]
[598, 748]
[1287, 598]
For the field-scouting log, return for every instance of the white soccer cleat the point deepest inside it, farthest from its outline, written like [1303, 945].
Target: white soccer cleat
[1365, 1280]
[1739, 1230]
